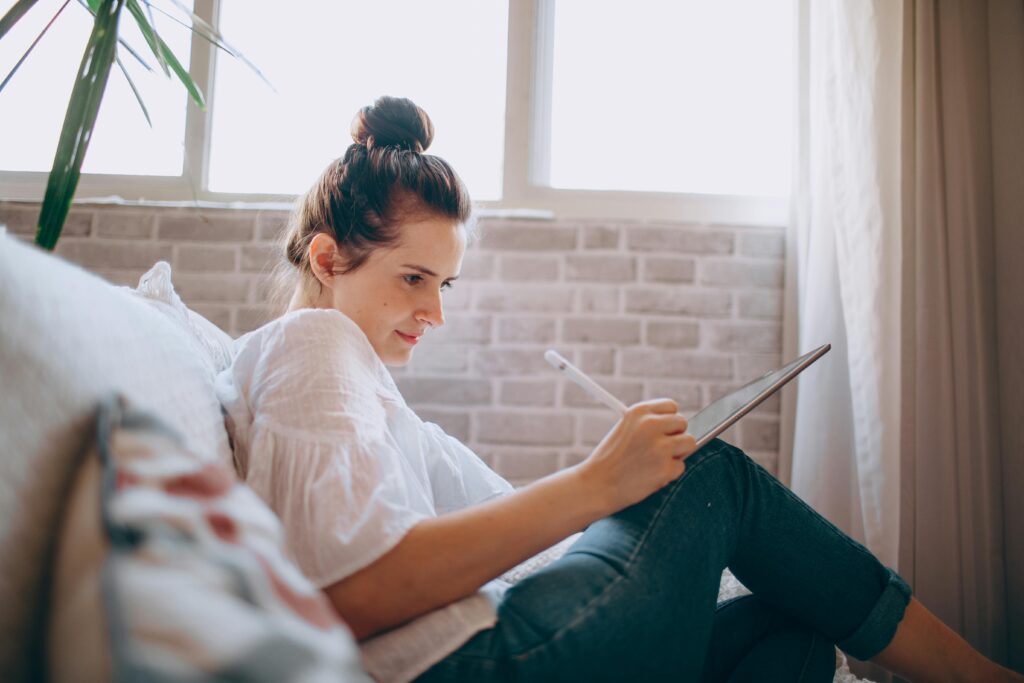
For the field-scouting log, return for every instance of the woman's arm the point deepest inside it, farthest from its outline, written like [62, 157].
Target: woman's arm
[449, 557]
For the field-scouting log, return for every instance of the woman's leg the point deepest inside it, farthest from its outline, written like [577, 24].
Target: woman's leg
[754, 642]
[634, 598]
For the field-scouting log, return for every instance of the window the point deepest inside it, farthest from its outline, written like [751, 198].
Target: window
[531, 101]
[34, 101]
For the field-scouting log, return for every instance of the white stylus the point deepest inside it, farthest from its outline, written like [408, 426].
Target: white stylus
[588, 385]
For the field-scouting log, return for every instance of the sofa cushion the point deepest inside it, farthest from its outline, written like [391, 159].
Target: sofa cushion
[69, 338]
[195, 581]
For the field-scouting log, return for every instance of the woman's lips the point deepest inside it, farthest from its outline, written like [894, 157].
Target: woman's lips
[409, 339]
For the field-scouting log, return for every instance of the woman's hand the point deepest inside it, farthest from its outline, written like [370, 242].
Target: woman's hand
[642, 453]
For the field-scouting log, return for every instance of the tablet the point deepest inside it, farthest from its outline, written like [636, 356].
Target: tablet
[720, 415]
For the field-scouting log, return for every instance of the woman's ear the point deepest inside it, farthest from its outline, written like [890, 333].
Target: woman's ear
[323, 257]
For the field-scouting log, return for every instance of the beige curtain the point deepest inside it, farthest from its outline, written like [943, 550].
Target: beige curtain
[953, 544]
[907, 253]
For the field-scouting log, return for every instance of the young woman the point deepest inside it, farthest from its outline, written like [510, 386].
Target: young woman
[406, 530]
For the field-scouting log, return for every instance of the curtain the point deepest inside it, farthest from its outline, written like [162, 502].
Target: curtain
[905, 251]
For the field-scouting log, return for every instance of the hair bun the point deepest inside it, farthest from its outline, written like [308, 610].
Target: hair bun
[393, 122]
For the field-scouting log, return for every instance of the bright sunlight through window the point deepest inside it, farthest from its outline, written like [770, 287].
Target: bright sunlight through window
[35, 100]
[685, 96]
[325, 60]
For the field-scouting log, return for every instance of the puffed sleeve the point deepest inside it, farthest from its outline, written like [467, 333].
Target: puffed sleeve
[459, 478]
[319, 450]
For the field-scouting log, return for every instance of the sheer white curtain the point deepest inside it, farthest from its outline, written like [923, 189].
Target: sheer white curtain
[845, 438]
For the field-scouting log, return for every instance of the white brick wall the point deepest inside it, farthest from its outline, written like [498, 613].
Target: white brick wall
[686, 311]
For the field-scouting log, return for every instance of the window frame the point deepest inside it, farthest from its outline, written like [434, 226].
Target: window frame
[525, 164]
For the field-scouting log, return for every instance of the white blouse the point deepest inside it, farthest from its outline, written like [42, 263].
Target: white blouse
[322, 434]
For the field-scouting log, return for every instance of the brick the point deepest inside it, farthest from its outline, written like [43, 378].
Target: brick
[600, 237]
[769, 245]
[203, 288]
[758, 305]
[699, 303]
[441, 358]
[600, 268]
[597, 361]
[20, 220]
[529, 268]
[248, 318]
[746, 337]
[679, 239]
[528, 392]
[260, 258]
[526, 329]
[741, 273]
[103, 254]
[595, 299]
[78, 223]
[533, 428]
[477, 266]
[672, 363]
[524, 298]
[626, 391]
[758, 434]
[672, 334]
[445, 390]
[525, 465]
[594, 426]
[270, 225]
[601, 330]
[121, 278]
[453, 423]
[513, 236]
[205, 259]
[218, 315]
[204, 227]
[492, 362]
[458, 298]
[125, 225]
[465, 328]
[687, 394]
[668, 269]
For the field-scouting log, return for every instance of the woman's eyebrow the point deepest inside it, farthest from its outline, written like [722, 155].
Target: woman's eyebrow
[425, 271]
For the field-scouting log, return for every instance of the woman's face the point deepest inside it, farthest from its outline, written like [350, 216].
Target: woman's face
[395, 296]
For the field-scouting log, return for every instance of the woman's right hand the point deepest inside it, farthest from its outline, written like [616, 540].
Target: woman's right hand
[643, 452]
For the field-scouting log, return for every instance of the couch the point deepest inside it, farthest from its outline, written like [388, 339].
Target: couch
[70, 342]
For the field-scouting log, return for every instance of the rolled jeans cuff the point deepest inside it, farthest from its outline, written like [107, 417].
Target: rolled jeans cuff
[879, 628]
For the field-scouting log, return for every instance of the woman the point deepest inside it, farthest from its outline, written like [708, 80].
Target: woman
[406, 530]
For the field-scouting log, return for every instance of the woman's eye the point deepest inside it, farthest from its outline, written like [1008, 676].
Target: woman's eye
[413, 279]
[446, 285]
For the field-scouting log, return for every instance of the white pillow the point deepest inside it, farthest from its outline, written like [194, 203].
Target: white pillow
[156, 287]
[68, 338]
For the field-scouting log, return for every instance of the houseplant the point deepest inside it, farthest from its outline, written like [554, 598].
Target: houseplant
[101, 53]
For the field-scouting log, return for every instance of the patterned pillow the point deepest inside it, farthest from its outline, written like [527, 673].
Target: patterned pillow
[168, 568]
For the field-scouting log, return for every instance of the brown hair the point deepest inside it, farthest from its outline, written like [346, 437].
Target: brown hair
[361, 198]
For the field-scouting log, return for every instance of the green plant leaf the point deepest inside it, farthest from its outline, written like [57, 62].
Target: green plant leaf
[138, 95]
[79, 122]
[120, 41]
[211, 35]
[149, 33]
[164, 53]
[16, 12]
[33, 45]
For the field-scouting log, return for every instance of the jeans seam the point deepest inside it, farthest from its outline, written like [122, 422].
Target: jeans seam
[592, 604]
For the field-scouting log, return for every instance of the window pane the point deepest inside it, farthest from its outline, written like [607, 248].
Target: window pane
[684, 96]
[326, 60]
[33, 104]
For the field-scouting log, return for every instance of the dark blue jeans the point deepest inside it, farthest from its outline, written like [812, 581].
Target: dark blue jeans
[635, 597]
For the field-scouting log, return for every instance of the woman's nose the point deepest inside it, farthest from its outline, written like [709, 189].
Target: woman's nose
[432, 311]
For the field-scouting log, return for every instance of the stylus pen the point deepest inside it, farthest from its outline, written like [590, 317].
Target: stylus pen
[588, 385]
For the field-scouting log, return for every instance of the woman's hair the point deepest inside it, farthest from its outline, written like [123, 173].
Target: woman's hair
[361, 198]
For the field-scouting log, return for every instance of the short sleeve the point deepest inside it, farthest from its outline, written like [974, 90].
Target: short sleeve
[317, 447]
[459, 478]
